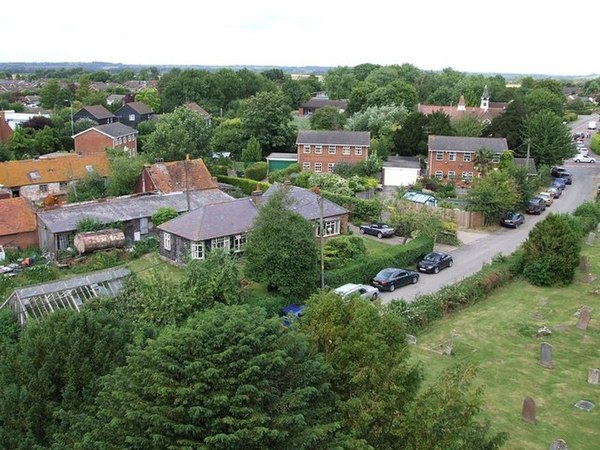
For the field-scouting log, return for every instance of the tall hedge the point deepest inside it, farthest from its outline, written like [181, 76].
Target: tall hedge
[360, 209]
[246, 185]
[367, 267]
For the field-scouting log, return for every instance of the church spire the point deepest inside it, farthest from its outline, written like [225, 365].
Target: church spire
[485, 99]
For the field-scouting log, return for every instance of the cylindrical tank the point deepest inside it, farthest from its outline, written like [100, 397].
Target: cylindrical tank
[90, 241]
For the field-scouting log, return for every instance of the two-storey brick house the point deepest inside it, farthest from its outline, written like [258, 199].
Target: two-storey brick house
[320, 151]
[453, 157]
[97, 139]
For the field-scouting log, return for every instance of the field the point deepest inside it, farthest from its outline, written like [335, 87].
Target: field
[498, 336]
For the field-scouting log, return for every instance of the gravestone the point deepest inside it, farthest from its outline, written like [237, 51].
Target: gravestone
[231, 172]
[591, 238]
[559, 444]
[585, 315]
[594, 376]
[584, 264]
[584, 405]
[546, 355]
[412, 340]
[528, 412]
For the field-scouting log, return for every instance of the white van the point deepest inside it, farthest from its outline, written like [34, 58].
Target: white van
[592, 125]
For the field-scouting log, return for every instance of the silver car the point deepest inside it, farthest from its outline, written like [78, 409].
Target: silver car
[363, 290]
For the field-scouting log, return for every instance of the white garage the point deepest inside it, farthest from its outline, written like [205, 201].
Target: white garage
[400, 171]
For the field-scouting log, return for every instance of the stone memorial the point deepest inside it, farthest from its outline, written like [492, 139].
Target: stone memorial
[559, 444]
[584, 264]
[584, 405]
[594, 376]
[546, 355]
[585, 315]
[528, 412]
[412, 340]
[591, 238]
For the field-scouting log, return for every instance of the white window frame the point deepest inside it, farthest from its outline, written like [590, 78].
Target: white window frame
[467, 157]
[346, 150]
[439, 174]
[451, 156]
[132, 117]
[331, 150]
[331, 227]
[439, 156]
[306, 166]
[220, 243]
[318, 149]
[318, 167]
[307, 149]
[451, 175]
[330, 167]
[467, 176]
[167, 241]
[239, 242]
[496, 158]
[358, 150]
[197, 250]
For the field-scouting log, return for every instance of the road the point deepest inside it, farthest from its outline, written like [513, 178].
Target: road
[469, 258]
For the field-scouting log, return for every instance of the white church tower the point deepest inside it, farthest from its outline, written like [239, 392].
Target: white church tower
[485, 99]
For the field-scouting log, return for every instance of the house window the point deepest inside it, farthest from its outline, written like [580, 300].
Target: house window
[318, 167]
[132, 117]
[439, 174]
[467, 157]
[197, 250]
[451, 174]
[239, 242]
[62, 186]
[220, 243]
[89, 168]
[496, 158]
[35, 175]
[467, 176]
[43, 188]
[439, 156]
[129, 138]
[306, 166]
[307, 149]
[331, 150]
[331, 227]
[167, 241]
[346, 150]
[144, 225]
[330, 167]
[318, 149]
[358, 150]
[452, 156]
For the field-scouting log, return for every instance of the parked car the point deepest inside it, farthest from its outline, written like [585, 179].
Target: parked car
[556, 171]
[536, 205]
[567, 177]
[548, 197]
[290, 313]
[380, 230]
[363, 290]
[559, 183]
[434, 262]
[391, 278]
[581, 158]
[555, 191]
[512, 219]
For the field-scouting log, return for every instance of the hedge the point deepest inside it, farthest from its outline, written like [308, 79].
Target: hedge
[360, 209]
[367, 267]
[246, 185]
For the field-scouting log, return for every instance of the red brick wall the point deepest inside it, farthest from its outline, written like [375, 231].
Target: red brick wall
[144, 183]
[445, 165]
[22, 240]
[92, 143]
[325, 158]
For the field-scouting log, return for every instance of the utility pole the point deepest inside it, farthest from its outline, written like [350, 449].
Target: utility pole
[321, 232]
[527, 158]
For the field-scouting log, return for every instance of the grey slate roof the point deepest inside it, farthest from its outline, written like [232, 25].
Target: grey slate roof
[123, 209]
[116, 129]
[334, 137]
[316, 102]
[406, 162]
[306, 203]
[214, 220]
[99, 111]
[523, 162]
[454, 143]
[138, 107]
[283, 156]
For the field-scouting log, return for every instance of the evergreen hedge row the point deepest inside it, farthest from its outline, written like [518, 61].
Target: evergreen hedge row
[367, 267]
[360, 209]
[246, 185]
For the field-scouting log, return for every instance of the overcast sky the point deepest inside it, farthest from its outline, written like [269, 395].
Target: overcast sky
[468, 35]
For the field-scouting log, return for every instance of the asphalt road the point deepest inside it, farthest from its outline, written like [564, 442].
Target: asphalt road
[469, 258]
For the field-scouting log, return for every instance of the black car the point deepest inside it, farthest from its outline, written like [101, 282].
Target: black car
[536, 205]
[556, 171]
[391, 278]
[380, 230]
[434, 262]
[512, 219]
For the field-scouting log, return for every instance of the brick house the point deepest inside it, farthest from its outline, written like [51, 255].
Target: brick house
[97, 139]
[452, 157]
[18, 225]
[5, 129]
[320, 151]
[133, 113]
[308, 108]
[97, 113]
[51, 174]
[173, 176]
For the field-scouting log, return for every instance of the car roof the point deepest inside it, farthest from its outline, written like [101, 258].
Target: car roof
[292, 308]
[346, 288]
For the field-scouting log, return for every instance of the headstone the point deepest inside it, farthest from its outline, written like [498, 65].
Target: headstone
[559, 444]
[584, 264]
[585, 315]
[585, 405]
[546, 355]
[412, 340]
[598, 227]
[231, 172]
[594, 376]
[528, 412]
[591, 238]
[544, 331]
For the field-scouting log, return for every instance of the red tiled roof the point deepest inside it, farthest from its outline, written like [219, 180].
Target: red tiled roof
[16, 216]
[171, 176]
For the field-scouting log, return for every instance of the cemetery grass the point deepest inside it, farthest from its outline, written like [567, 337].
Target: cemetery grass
[498, 337]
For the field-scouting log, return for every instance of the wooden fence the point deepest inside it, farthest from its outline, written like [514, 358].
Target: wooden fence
[464, 219]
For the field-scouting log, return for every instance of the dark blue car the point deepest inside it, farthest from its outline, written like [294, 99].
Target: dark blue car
[290, 313]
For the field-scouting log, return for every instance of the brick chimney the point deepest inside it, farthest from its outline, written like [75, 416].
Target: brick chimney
[256, 195]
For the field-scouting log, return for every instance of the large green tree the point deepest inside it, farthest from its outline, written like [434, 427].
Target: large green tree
[229, 378]
[339, 82]
[149, 97]
[493, 195]
[411, 138]
[551, 141]
[124, 172]
[228, 136]
[327, 118]
[272, 252]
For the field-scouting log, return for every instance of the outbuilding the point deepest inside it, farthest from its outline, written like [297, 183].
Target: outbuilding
[400, 171]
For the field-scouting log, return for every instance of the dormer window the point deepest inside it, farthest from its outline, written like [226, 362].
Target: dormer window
[34, 175]
[89, 168]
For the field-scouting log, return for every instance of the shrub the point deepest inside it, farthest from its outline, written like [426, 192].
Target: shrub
[89, 224]
[256, 171]
[144, 246]
[163, 214]
[588, 209]
[342, 249]
[360, 209]
[247, 186]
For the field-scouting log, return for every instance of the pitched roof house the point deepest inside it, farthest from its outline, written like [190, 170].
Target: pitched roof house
[308, 108]
[18, 226]
[198, 109]
[97, 113]
[320, 151]
[133, 113]
[225, 225]
[486, 111]
[5, 129]
[97, 139]
[35, 179]
[175, 176]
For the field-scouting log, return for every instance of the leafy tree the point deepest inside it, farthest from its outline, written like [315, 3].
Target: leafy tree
[37, 123]
[228, 136]
[359, 95]
[124, 173]
[412, 221]
[163, 214]
[256, 171]
[493, 195]
[50, 376]
[468, 126]
[296, 92]
[149, 97]
[339, 82]
[509, 124]
[21, 143]
[482, 160]
[144, 129]
[92, 187]
[397, 93]
[83, 124]
[327, 118]
[438, 123]
[177, 134]
[50, 94]
[361, 71]
[379, 120]
[551, 252]
[83, 90]
[543, 99]
[252, 152]
[551, 141]
[267, 117]
[411, 138]
[340, 250]
[229, 378]
[272, 254]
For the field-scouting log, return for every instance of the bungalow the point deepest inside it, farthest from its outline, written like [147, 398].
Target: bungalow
[311, 106]
[97, 113]
[18, 227]
[97, 139]
[133, 113]
[57, 226]
[175, 176]
[225, 225]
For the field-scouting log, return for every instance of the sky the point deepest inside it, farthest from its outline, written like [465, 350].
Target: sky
[511, 36]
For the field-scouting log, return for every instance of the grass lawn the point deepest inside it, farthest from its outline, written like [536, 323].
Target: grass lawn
[150, 262]
[498, 337]
[376, 246]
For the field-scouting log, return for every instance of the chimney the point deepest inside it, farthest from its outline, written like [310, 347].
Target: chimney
[256, 195]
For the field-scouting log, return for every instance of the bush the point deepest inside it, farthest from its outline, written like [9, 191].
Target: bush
[342, 249]
[246, 185]
[360, 209]
[163, 214]
[89, 224]
[145, 246]
[256, 171]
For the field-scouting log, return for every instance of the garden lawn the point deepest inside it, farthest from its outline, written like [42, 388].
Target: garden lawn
[144, 266]
[498, 337]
